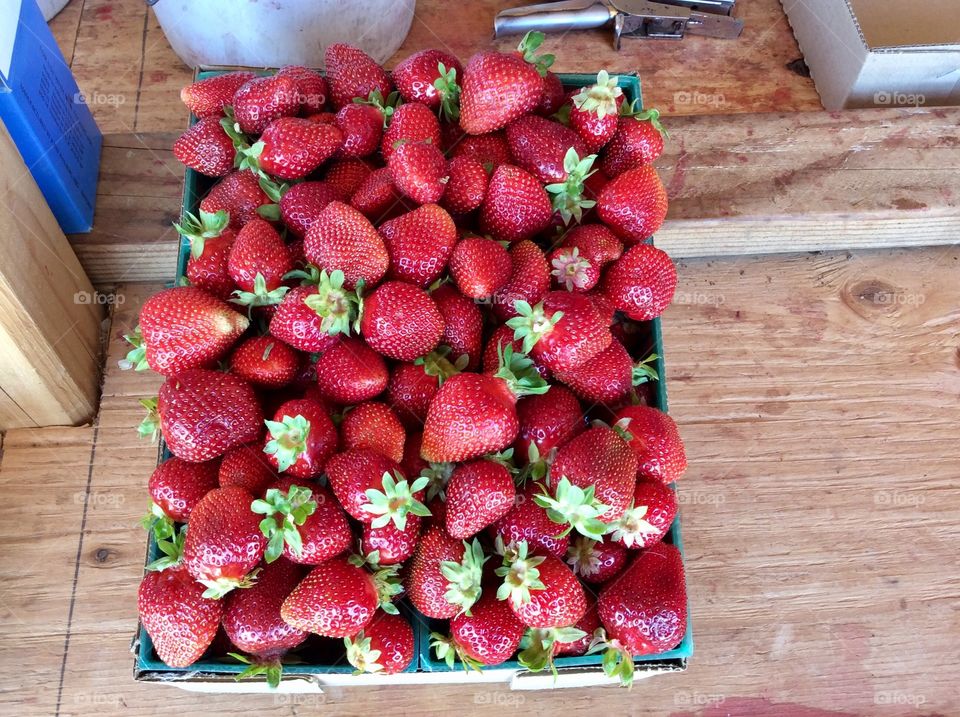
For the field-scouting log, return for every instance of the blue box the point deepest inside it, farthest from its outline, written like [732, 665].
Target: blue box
[47, 115]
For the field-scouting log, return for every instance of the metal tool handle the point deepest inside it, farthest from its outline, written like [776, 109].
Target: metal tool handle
[553, 17]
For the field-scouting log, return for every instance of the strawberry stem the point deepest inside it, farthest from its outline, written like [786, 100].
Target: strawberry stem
[396, 501]
[293, 509]
[465, 577]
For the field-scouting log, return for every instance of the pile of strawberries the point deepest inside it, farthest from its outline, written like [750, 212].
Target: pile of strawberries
[404, 363]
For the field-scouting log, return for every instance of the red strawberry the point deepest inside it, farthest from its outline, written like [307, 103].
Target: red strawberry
[497, 88]
[529, 279]
[587, 625]
[564, 331]
[480, 267]
[180, 621]
[207, 97]
[300, 438]
[502, 337]
[302, 203]
[419, 244]
[595, 561]
[176, 487]
[641, 283]
[594, 111]
[224, 542]
[303, 523]
[206, 148]
[343, 239]
[257, 263]
[210, 240]
[580, 258]
[205, 413]
[606, 378]
[298, 323]
[377, 197]
[540, 589]
[375, 426]
[291, 147]
[553, 95]
[357, 477]
[419, 171]
[656, 442]
[491, 150]
[312, 88]
[547, 421]
[362, 128]
[539, 146]
[337, 599]
[239, 194]
[247, 467]
[401, 321]
[393, 545]
[530, 523]
[411, 123]
[410, 391]
[346, 175]
[265, 361]
[384, 647]
[350, 371]
[352, 73]
[488, 635]
[638, 141]
[479, 493]
[649, 517]
[467, 181]
[516, 205]
[419, 78]
[412, 464]
[445, 574]
[633, 204]
[263, 99]
[462, 325]
[184, 328]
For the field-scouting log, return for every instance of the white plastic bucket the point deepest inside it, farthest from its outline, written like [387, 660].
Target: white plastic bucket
[273, 33]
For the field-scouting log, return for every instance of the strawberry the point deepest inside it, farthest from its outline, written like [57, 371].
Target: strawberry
[595, 561]
[239, 194]
[539, 145]
[351, 74]
[176, 487]
[587, 625]
[594, 112]
[183, 328]
[413, 465]
[445, 574]
[410, 391]
[553, 95]
[419, 171]
[401, 321]
[257, 263]
[336, 599]
[656, 442]
[467, 181]
[488, 635]
[529, 279]
[540, 646]
[302, 203]
[345, 176]
[633, 204]
[462, 325]
[374, 426]
[377, 196]
[480, 267]
[491, 149]
[608, 377]
[479, 493]
[638, 141]
[362, 128]
[412, 123]
[206, 148]
[247, 467]
[419, 244]
[358, 470]
[649, 517]
[641, 283]
[210, 240]
[516, 205]
[350, 372]
[303, 523]
[540, 589]
[343, 239]
[547, 422]
[393, 545]
[429, 77]
[204, 413]
[263, 99]
[292, 148]
[529, 522]
[644, 611]
[582, 255]
[298, 323]
[207, 97]
[312, 91]
[300, 438]
[502, 337]
[563, 331]
[385, 646]
[224, 543]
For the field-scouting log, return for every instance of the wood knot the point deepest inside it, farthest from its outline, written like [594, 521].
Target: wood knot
[102, 556]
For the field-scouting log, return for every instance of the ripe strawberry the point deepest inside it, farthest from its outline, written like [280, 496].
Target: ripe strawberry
[502, 337]
[462, 325]
[564, 331]
[638, 141]
[419, 78]
[516, 205]
[413, 465]
[595, 561]
[540, 589]
[362, 128]
[539, 146]
[633, 204]
[491, 149]
[547, 422]
[553, 95]
[607, 378]
[207, 97]
[582, 255]
[351, 73]
[303, 523]
[528, 522]
[497, 88]
[176, 487]
[210, 240]
[354, 472]
[374, 426]
[337, 599]
[239, 194]
[180, 621]
[300, 438]
[343, 239]
[345, 175]
[206, 148]
[384, 647]
[419, 171]
[224, 542]
[649, 517]
[529, 279]
[411, 123]
[377, 197]
[298, 323]
[292, 148]
[247, 467]
[302, 203]
[488, 635]
[656, 442]
[479, 493]
[467, 181]
[419, 244]
[587, 625]
[480, 267]
[594, 111]
[401, 321]
[393, 545]
[410, 391]
[263, 99]
[641, 283]
[205, 413]
[257, 263]
[350, 372]
[445, 574]
[312, 91]
[183, 328]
